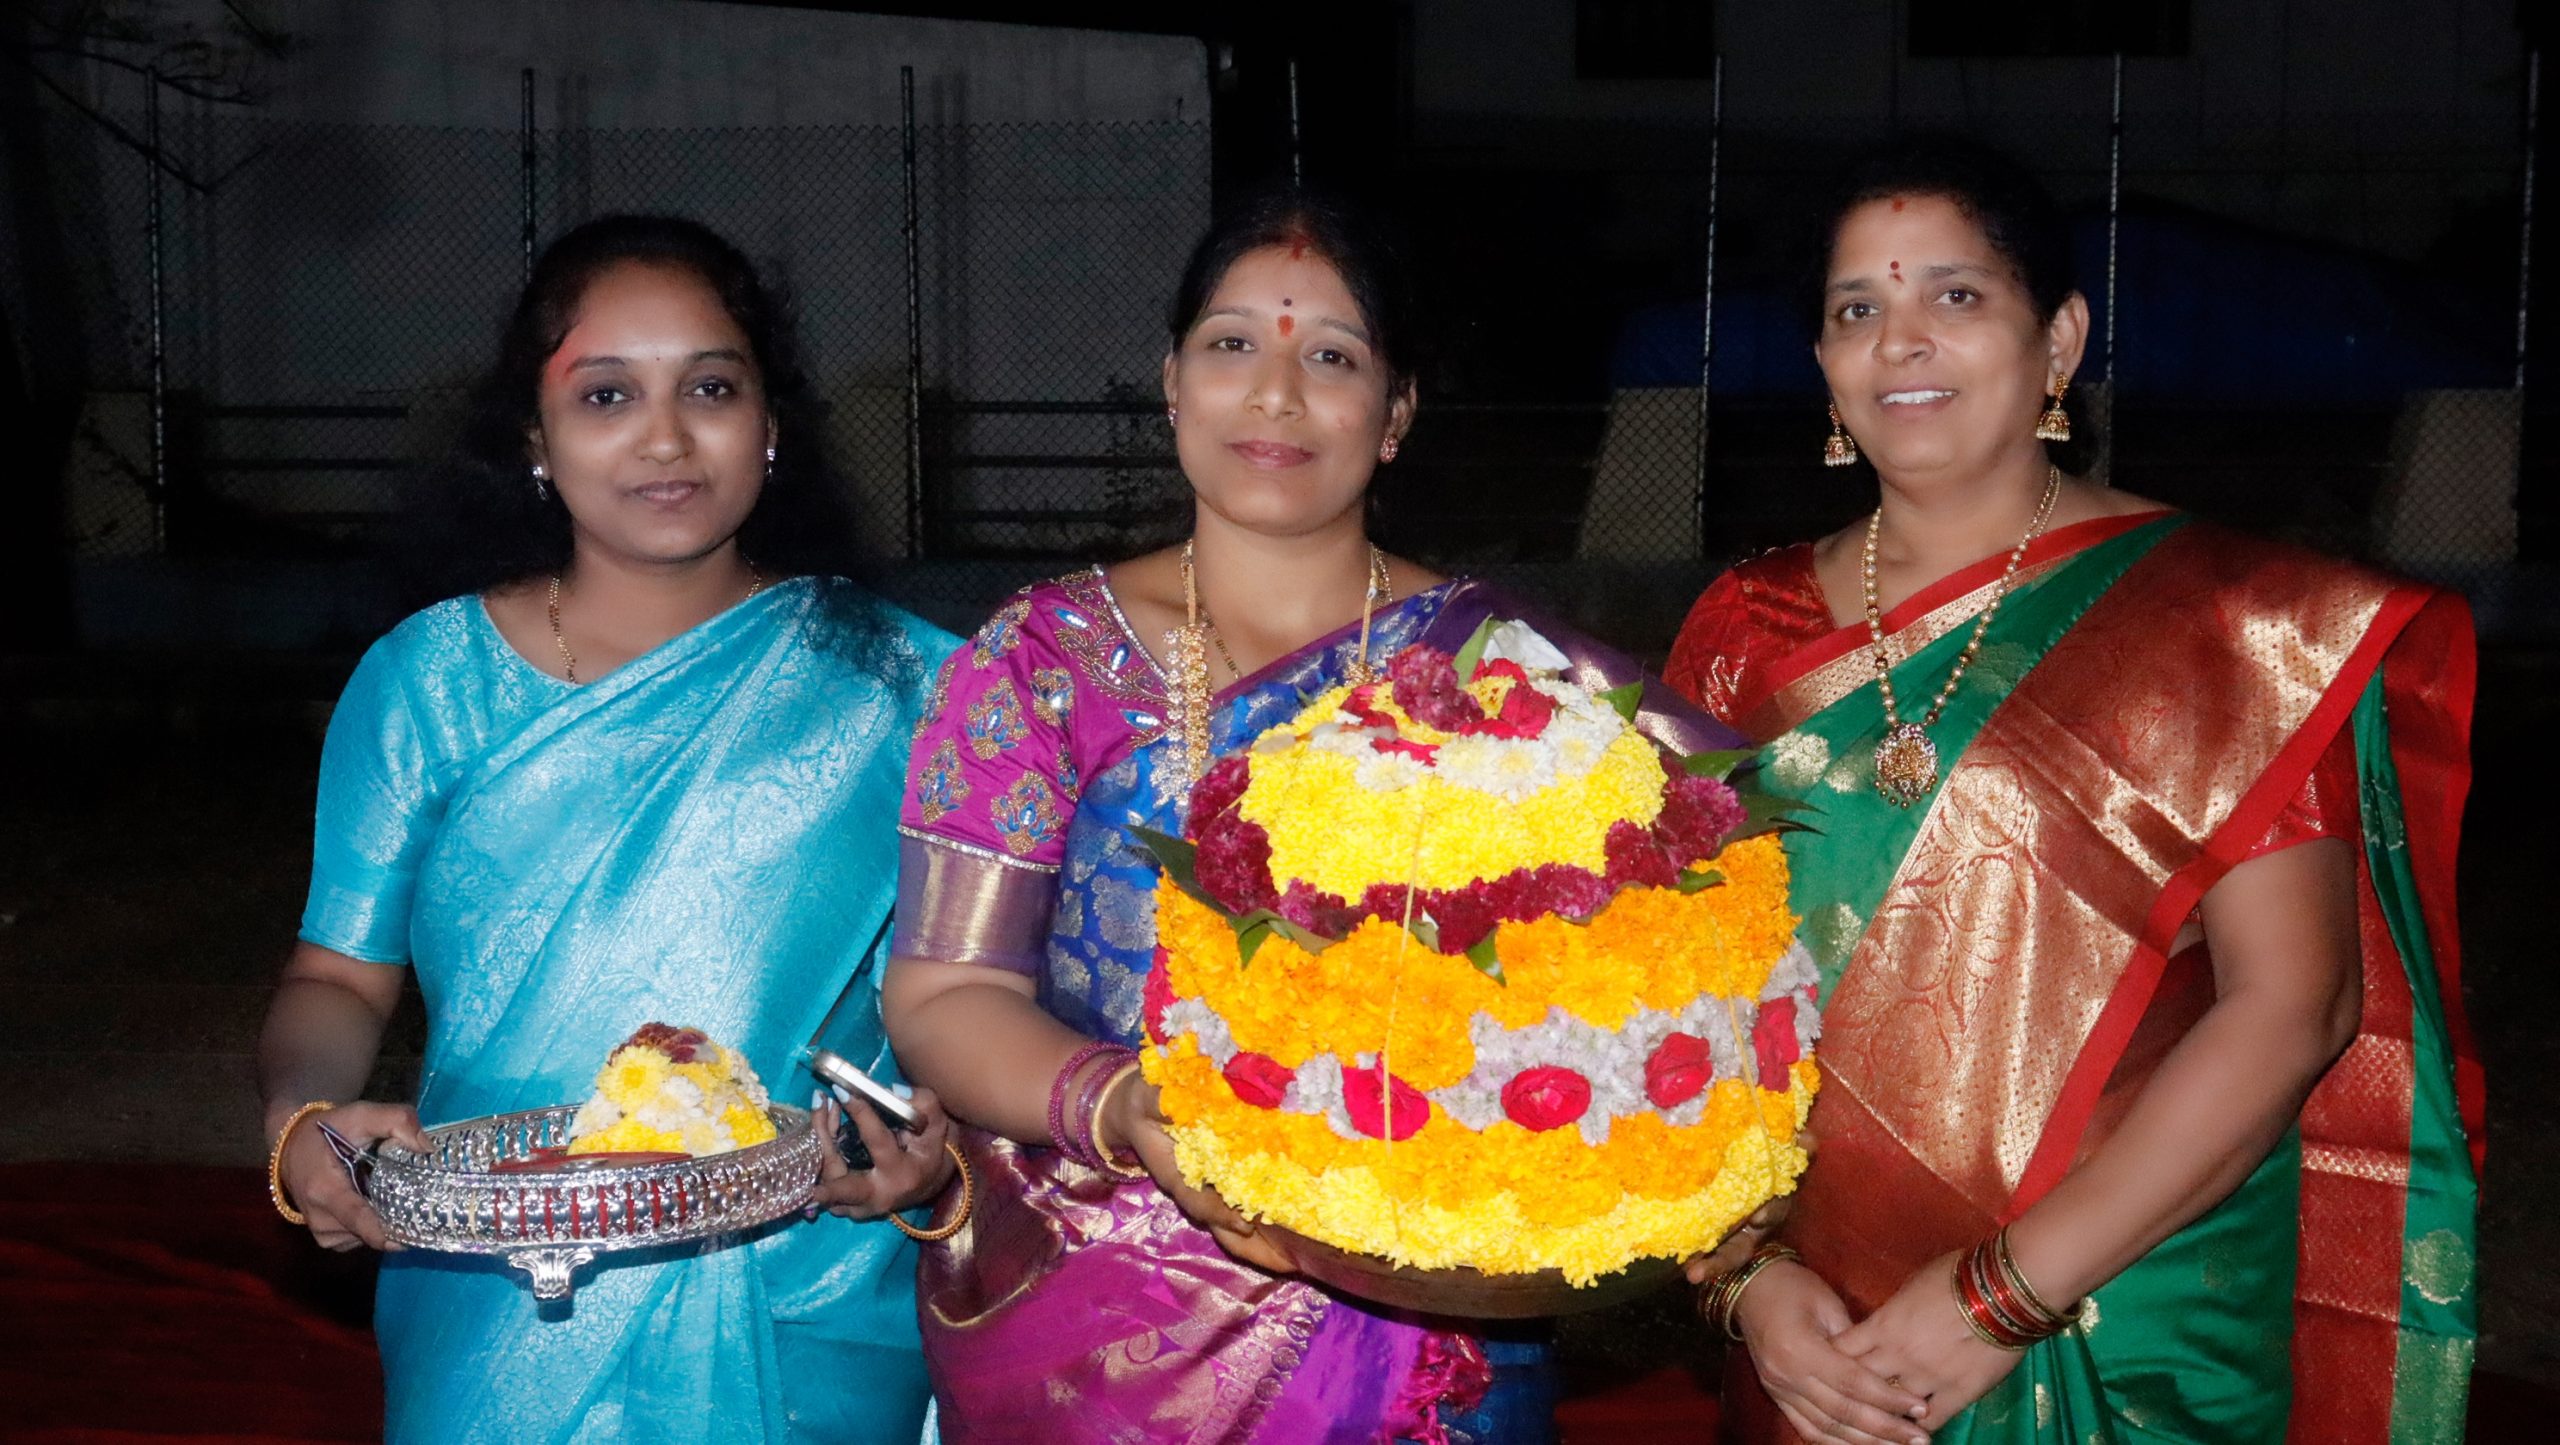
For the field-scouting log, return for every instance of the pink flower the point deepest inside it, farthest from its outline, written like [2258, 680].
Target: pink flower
[1156, 996]
[1315, 910]
[1234, 864]
[1636, 858]
[1679, 1071]
[1697, 815]
[1570, 892]
[1464, 916]
[1426, 687]
[1258, 1079]
[1773, 1041]
[1387, 901]
[1374, 1105]
[1219, 789]
[1547, 1097]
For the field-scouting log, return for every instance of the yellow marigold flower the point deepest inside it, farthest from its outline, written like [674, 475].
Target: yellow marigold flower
[633, 1075]
[1341, 837]
[748, 1124]
[629, 1137]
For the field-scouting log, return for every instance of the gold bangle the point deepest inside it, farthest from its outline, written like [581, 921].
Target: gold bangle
[959, 1216]
[1726, 1293]
[2058, 1319]
[275, 1160]
[1102, 1150]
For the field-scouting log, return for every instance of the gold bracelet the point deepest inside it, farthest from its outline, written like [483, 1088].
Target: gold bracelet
[959, 1216]
[275, 1160]
[2060, 1319]
[1102, 1150]
[1725, 1295]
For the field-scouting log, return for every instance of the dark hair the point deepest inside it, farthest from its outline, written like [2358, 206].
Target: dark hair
[485, 525]
[1361, 248]
[2016, 214]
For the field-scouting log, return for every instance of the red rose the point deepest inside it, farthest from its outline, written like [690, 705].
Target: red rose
[1773, 1040]
[1156, 996]
[1525, 711]
[1404, 1104]
[1258, 1079]
[1679, 1071]
[1420, 752]
[1546, 1098]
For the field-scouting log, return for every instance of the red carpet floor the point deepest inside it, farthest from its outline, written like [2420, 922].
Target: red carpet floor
[170, 1302]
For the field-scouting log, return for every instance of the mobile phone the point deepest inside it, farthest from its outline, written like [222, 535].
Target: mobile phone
[897, 1113]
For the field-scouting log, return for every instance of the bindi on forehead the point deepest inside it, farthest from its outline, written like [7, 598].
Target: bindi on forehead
[1896, 268]
[1288, 324]
[1899, 202]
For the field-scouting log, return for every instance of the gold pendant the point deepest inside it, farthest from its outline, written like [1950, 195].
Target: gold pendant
[1906, 765]
[1189, 654]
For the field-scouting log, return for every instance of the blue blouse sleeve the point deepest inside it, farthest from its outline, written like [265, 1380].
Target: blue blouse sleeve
[378, 810]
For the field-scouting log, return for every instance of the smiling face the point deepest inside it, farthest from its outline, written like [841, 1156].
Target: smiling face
[653, 420]
[1284, 401]
[1932, 344]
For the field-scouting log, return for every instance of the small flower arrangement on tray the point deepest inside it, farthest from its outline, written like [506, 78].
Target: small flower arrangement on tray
[1460, 972]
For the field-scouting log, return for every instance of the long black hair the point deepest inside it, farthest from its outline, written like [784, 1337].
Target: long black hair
[484, 524]
[2018, 217]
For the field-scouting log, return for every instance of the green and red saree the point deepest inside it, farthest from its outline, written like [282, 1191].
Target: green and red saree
[2155, 696]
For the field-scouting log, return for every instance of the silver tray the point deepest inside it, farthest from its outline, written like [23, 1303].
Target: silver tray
[550, 1221]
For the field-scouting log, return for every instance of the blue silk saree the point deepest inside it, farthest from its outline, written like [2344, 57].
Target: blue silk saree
[702, 836]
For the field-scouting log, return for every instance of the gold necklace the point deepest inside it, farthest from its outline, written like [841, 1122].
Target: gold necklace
[1907, 759]
[1187, 649]
[559, 639]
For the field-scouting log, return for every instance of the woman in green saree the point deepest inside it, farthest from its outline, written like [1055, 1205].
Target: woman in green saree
[2148, 1112]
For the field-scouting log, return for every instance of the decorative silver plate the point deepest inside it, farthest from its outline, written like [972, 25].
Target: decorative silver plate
[489, 1186]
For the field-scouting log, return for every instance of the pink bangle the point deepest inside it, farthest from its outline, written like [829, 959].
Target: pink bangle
[1060, 1086]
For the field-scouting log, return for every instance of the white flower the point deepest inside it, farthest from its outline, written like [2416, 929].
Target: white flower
[1386, 772]
[1518, 642]
[1513, 771]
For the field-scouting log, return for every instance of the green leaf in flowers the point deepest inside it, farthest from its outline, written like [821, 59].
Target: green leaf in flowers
[1487, 962]
[1770, 813]
[1628, 700]
[1699, 880]
[1258, 927]
[1180, 860]
[1473, 652]
[1716, 765]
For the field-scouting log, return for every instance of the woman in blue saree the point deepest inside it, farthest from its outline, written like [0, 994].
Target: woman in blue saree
[630, 777]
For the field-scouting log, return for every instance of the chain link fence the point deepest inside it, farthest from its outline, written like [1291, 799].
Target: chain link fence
[2315, 341]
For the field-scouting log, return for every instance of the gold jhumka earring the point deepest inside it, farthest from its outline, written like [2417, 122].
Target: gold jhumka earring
[2055, 424]
[1839, 449]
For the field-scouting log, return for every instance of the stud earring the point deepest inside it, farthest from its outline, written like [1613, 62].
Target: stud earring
[1387, 450]
[2055, 424]
[1839, 449]
[541, 491]
[1169, 416]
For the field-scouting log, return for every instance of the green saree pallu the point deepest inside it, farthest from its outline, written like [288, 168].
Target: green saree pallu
[2000, 976]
